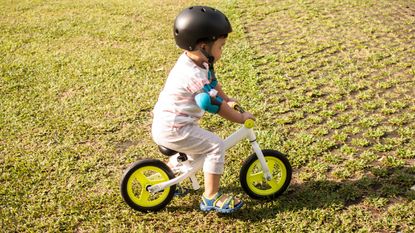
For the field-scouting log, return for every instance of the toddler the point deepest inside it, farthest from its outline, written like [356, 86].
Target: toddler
[191, 89]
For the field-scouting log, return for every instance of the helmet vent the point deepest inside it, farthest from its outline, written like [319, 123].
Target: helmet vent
[176, 32]
[203, 10]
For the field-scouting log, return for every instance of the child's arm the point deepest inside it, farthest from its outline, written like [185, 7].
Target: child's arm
[222, 94]
[219, 106]
[230, 114]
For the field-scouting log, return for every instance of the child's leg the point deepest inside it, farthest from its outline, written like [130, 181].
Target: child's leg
[212, 182]
[196, 142]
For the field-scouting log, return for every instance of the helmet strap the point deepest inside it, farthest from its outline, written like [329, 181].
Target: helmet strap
[211, 59]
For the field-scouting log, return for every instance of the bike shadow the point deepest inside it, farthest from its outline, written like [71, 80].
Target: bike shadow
[392, 183]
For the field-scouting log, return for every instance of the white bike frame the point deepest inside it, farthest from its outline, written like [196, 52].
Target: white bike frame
[189, 169]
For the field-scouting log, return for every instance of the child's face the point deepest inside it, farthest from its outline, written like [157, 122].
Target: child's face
[217, 48]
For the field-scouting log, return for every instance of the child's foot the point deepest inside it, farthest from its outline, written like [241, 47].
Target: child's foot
[221, 203]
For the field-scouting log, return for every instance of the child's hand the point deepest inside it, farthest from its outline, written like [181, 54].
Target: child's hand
[247, 115]
[232, 103]
[232, 100]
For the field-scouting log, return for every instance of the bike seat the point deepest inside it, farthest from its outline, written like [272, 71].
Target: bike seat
[167, 151]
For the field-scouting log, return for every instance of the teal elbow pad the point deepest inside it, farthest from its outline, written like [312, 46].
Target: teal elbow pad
[207, 103]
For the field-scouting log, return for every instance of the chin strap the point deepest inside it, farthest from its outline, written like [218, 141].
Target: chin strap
[211, 59]
[211, 73]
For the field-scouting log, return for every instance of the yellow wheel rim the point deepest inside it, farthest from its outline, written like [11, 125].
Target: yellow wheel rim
[256, 181]
[143, 178]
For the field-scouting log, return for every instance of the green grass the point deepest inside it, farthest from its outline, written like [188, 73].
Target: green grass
[331, 83]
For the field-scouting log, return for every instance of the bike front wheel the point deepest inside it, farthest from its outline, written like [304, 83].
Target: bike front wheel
[139, 177]
[252, 176]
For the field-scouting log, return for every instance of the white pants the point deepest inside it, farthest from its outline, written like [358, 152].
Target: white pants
[194, 142]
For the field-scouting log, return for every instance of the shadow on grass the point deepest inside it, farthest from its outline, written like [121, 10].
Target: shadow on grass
[385, 183]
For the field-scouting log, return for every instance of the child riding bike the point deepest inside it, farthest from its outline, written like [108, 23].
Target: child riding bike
[191, 89]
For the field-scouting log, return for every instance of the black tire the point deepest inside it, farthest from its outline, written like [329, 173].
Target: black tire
[134, 189]
[281, 172]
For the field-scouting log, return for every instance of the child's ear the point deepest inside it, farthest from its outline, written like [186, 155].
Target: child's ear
[203, 46]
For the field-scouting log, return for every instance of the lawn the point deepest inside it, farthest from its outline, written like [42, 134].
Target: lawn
[331, 83]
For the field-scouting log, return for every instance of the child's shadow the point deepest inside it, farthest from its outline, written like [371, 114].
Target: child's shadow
[395, 182]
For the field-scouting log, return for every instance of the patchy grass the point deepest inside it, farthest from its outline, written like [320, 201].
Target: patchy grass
[332, 85]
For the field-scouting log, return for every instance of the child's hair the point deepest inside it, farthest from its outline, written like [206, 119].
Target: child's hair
[210, 40]
[198, 24]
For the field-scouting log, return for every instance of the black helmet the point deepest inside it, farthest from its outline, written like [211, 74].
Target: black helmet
[198, 23]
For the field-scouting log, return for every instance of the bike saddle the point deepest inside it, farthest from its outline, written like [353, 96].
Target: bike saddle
[167, 151]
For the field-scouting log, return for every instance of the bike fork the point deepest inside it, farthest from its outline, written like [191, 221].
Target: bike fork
[260, 155]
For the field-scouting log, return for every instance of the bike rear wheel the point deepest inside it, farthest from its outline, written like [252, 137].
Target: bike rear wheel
[252, 177]
[139, 177]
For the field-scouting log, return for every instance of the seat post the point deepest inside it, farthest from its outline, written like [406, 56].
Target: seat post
[182, 157]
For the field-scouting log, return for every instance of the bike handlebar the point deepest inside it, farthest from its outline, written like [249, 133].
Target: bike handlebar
[249, 123]
[238, 108]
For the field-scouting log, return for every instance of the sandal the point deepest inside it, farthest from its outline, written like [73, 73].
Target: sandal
[228, 206]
